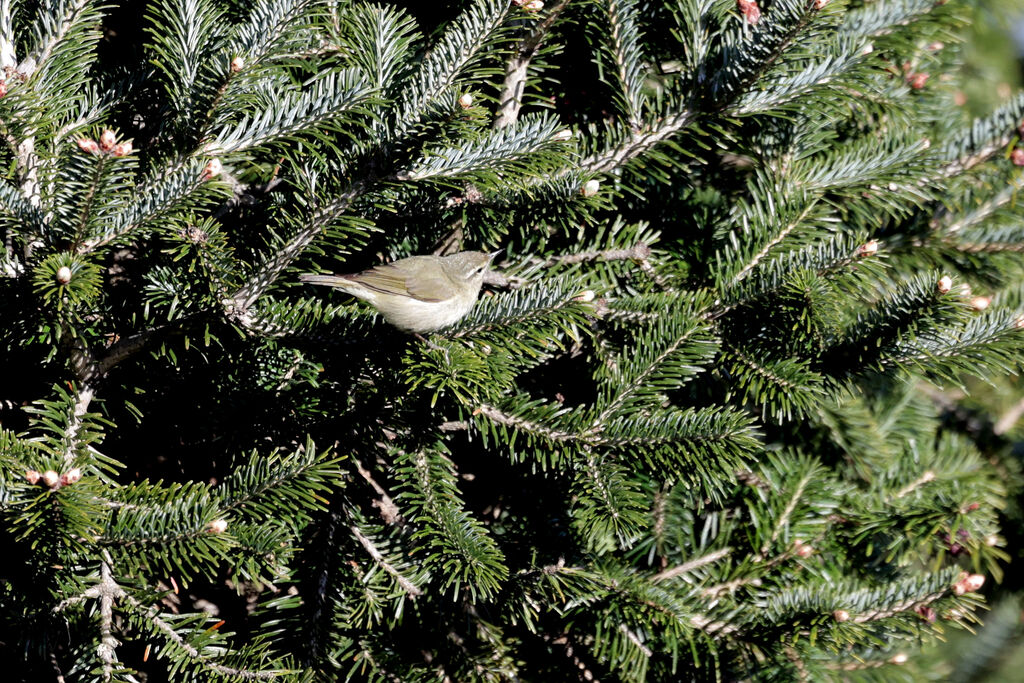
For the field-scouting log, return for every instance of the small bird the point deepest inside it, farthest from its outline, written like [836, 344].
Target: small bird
[419, 293]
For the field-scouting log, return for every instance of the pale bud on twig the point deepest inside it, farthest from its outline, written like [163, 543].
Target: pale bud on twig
[466, 101]
[590, 188]
[72, 476]
[63, 275]
[586, 296]
[899, 658]
[944, 284]
[122, 149]
[563, 135]
[802, 549]
[1017, 157]
[107, 140]
[213, 169]
[51, 478]
[868, 248]
[237, 64]
[533, 5]
[218, 526]
[841, 615]
[88, 145]
[820, 4]
[867, 49]
[968, 583]
[980, 303]
[32, 477]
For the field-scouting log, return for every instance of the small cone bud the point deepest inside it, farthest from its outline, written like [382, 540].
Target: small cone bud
[917, 81]
[936, 46]
[585, 296]
[926, 613]
[51, 478]
[213, 169]
[750, 11]
[122, 149]
[980, 303]
[899, 658]
[32, 477]
[71, 476]
[466, 101]
[820, 4]
[841, 615]
[867, 49]
[533, 5]
[590, 188]
[88, 145]
[959, 98]
[868, 248]
[968, 583]
[1017, 157]
[944, 284]
[1019, 323]
[3, 87]
[63, 275]
[991, 540]
[218, 526]
[802, 549]
[107, 140]
[563, 135]
[237, 64]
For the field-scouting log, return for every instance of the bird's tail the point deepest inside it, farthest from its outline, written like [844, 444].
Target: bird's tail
[329, 280]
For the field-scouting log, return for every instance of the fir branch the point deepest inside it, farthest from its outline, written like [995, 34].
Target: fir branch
[1007, 195]
[781, 235]
[782, 521]
[152, 615]
[511, 97]
[691, 565]
[627, 55]
[897, 608]
[408, 586]
[983, 139]
[455, 52]
[59, 25]
[638, 142]
[266, 273]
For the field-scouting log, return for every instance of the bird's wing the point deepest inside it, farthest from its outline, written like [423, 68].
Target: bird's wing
[393, 278]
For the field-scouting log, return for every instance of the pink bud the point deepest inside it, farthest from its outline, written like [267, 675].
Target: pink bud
[51, 478]
[88, 145]
[218, 526]
[3, 87]
[917, 80]
[71, 476]
[533, 5]
[32, 476]
[122, 149]
[944, 284]
[868, 248]
[980, 303]
[213, 169]
[466, 101]
[107, 140]
[751, 12]
[1017, 157]
[841, 615]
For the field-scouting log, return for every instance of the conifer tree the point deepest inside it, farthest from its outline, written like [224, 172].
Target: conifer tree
[700, 425]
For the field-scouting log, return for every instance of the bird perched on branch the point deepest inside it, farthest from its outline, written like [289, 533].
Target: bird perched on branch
[419, 293]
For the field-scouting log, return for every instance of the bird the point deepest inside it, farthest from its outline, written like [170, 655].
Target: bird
[417, 294]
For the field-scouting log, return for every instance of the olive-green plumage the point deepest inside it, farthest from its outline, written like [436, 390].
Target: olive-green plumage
[419, 293]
